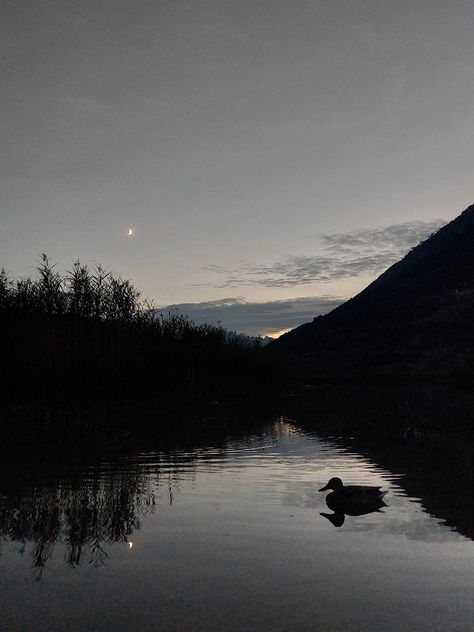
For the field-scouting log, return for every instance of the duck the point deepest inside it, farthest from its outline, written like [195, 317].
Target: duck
[353, 498]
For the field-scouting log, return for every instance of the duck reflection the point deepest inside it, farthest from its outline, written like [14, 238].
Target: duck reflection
[338, 517]
[351, 500]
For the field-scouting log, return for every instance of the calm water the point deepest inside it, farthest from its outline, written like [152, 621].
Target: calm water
[227, 536]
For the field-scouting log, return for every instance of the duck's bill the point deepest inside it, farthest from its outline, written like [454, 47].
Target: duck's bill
[323, 489]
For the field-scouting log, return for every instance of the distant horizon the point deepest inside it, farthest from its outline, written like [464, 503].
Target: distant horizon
[364, 253]
[239, 316]
[351, 261]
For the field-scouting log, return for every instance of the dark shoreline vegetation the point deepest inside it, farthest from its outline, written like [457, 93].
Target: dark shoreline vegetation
[84, 344]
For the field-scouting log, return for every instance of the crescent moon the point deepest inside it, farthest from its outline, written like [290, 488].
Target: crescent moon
[130, 232]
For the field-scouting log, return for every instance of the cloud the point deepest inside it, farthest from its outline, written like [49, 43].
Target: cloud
[395, 237]
[346, 255]
[257, 318]
[88, 106]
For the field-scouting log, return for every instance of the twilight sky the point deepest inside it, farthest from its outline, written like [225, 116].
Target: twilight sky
[272, 156]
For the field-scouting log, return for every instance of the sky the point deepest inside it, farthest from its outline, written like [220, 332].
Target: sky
[272, 157]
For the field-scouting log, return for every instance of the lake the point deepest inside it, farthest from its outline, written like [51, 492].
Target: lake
[226, 535]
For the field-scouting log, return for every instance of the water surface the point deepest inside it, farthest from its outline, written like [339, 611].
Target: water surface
[225, 536]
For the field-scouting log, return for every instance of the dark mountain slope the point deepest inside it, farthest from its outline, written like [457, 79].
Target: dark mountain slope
[416, 318]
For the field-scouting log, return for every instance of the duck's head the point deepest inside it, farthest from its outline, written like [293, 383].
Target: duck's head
[335, 484]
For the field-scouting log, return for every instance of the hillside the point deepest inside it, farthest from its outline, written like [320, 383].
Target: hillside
[416, 318]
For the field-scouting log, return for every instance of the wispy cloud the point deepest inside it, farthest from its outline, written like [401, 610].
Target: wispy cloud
[346, 255]
[88, 106]
[257, 318]
[395, 237]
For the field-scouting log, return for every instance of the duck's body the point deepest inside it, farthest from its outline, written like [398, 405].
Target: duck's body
[352, 498]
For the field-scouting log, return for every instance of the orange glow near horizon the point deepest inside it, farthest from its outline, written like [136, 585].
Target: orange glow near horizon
[277, 334]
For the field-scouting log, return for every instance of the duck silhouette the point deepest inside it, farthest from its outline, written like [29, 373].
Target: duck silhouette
[351, 500]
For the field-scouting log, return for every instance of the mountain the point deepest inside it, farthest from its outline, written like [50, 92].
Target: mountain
[417, 318]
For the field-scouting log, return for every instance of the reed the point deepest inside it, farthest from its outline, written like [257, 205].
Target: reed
[88, 336]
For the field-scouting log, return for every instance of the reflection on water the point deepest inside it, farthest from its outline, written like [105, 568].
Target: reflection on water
[230, 535]
[100, 506]
[424, 432]
[339, 514]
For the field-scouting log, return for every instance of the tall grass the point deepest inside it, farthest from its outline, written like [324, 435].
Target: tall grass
[87, 335]
[94, 294]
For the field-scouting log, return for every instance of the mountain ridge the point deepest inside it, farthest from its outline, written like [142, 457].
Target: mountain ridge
[414, 318]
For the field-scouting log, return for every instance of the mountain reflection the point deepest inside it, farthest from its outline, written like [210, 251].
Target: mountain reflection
[422, 433]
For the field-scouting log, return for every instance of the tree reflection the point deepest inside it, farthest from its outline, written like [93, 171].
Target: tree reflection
[85, 513]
